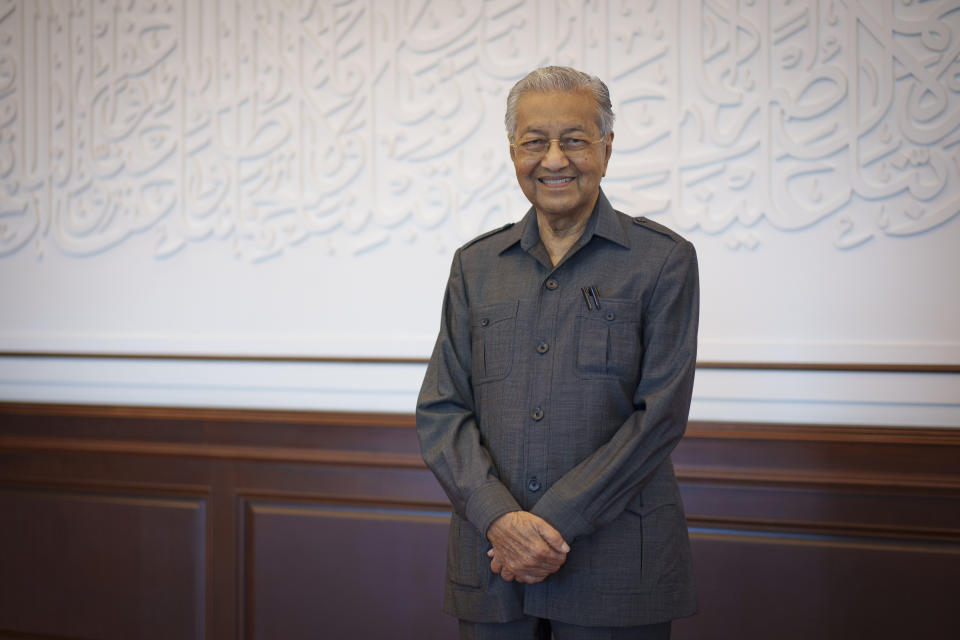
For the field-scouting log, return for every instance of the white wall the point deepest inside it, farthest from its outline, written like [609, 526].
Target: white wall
[291, 177]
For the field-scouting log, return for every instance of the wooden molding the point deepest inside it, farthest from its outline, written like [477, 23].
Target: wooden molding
[727, 525]
[213, 452]
[859, 481]
[346, 418]
[862, 367]
[944, 436]
[212, 357]
[729, 437]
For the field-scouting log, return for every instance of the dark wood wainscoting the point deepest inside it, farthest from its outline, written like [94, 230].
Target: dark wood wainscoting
[127, 523]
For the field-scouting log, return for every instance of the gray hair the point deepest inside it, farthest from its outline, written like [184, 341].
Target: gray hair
[547, 79]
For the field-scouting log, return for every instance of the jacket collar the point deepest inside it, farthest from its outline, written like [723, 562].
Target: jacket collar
[603, 222]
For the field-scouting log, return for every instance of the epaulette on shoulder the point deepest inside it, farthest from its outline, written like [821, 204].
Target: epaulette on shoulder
[492, 232]
[656, 227]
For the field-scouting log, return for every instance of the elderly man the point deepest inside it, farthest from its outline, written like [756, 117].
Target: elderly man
[559, 384]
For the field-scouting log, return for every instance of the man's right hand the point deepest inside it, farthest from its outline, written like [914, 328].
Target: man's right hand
[526, 548]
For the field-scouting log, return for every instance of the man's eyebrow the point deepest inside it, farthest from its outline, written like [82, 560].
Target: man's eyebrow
[573, 129]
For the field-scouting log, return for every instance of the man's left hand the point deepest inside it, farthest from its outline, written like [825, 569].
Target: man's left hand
[526, 548]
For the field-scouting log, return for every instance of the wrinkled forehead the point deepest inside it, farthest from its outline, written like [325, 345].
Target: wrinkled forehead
[557, 112]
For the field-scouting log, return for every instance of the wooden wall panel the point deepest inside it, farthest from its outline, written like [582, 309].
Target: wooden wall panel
[900, 483]
[355, 571]
[822, 532]
[797, 587]
[102, 565]
[289, 524]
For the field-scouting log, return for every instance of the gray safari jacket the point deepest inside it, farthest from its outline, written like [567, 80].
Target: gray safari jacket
[539, 397]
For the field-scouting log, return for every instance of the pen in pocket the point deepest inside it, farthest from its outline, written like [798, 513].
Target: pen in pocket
[591, 297]
[596, 297]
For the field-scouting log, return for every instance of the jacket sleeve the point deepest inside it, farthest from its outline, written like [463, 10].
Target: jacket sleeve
[597, 490]
[447, 427]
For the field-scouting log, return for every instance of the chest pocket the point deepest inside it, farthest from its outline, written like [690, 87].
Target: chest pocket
[492, 329]
[608, 340]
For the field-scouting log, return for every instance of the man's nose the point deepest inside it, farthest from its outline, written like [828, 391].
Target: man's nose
[554, 158]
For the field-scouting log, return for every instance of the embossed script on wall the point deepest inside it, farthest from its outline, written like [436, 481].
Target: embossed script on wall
[262, 123]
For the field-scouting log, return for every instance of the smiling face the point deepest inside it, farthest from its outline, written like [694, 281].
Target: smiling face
[558, 186]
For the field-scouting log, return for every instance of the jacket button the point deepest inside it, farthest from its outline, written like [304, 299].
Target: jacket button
[537, 414]
[485, 322]
[534, 484]
[543, 347]
[552, 284]
[610, 315]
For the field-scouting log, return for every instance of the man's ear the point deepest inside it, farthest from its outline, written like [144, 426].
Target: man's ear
[607, 152]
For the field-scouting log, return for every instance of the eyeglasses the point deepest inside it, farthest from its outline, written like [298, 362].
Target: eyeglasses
[571, 146]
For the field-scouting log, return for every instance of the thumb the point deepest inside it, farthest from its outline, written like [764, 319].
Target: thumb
[552, 537]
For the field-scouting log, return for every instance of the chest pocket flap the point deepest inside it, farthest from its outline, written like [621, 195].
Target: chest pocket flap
[492, 329]
[608, 340]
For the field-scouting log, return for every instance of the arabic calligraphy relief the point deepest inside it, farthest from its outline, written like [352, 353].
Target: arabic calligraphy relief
[262, 123]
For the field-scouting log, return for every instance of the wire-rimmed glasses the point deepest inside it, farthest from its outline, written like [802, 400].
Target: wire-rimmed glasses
[573, 147]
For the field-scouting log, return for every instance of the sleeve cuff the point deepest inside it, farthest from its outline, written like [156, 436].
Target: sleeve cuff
[569, 524]
[487, 503]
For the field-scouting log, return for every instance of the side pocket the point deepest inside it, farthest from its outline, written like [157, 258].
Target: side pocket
[616, 564]
[463, 553]
[666, 547]
[645, 548]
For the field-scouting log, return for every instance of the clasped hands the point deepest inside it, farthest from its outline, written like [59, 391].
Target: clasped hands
[526, 548]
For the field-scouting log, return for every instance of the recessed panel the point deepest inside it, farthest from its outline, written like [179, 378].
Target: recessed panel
[103, 566]
[798, 587]
[331, 571]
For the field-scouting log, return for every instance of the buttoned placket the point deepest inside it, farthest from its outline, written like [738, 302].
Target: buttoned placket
[554, 291]
[538, 421]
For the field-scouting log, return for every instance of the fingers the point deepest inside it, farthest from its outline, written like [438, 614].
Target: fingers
[495, 565]
[509, 574]
[552, 537]
[498, 567]
[537, 559]
[519, 571]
